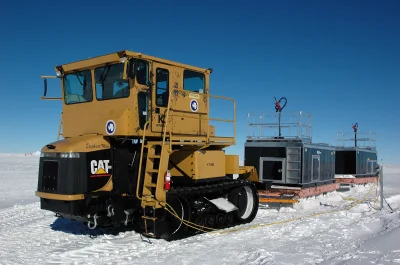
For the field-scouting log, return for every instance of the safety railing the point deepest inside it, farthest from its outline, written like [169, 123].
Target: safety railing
[294, 125]
[203, 117]
[356, 139]
[223, 120]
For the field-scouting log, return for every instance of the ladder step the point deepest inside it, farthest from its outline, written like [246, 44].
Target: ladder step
[151, 185]
[157, 143]
[149, 217]
[155, 156]
[152, 170]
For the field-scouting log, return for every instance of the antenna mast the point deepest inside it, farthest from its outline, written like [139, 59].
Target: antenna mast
[355, 127]
[279, 108]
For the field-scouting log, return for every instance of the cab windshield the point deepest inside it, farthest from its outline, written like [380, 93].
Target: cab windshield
[110, 83]
[78, 87]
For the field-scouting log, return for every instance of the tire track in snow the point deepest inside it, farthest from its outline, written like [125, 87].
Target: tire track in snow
[352, 252]
[30, 237]
[18, 215]
[311, 240]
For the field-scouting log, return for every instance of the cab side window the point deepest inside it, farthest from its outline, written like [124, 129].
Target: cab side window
[78, 87]
[193, 81]
[142, 72]
[143, 108]
[110, 83]
[162, 87]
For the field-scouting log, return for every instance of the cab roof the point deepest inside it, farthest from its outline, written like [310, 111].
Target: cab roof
[115, 58]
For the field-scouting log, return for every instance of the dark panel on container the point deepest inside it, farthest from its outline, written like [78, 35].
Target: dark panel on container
[326, 165]
[316, 168]
[346, 162]
[272, 170]
[373, 156]
[252, 155]
[362, 161]
[340, 162]
[307, 164]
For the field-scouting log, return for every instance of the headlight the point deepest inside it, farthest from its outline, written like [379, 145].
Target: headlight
[69, 155]
[61, 155]
[48, 154]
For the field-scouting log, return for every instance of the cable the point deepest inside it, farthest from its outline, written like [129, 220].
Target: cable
[226, 231]
[387, 203]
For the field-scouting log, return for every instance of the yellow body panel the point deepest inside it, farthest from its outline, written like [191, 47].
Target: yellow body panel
[232, 164]
[131, 102]
[198, 165]
[185, 121]
[100, 60]
[91, 117]
[59, 197]
[87, 143]
[80, 120]
[249, 172]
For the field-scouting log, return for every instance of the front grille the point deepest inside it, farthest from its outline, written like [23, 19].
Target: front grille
[50, 175]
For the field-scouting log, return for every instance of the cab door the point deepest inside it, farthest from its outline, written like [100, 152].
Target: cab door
[190, 103]
[160, 94]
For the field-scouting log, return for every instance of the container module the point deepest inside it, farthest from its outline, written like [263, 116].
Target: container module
[280, 147]
[356, 154]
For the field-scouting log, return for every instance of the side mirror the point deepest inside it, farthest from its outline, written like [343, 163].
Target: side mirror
[45, 87]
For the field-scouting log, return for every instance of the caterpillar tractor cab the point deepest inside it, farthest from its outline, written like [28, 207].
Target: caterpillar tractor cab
[135, 147]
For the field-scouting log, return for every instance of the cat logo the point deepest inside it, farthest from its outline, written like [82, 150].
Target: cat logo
[100, 168]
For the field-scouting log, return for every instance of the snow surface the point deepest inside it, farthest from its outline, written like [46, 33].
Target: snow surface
[361, 235]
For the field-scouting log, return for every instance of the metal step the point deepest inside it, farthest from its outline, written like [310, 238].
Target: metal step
[149, 217]
[293, 164]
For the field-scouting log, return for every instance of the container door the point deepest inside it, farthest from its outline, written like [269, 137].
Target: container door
[273, 169]
[371, 165]
[189, 101]
[315, 168]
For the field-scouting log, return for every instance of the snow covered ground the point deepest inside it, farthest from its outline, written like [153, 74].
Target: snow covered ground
[360, 235]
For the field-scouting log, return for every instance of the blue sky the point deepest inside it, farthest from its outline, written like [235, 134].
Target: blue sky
[338, 60]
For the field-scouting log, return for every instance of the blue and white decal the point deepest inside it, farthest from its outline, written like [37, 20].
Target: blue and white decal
[110, 127]
[194, 105]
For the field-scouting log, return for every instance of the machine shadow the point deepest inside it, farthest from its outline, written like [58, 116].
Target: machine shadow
[79, 228]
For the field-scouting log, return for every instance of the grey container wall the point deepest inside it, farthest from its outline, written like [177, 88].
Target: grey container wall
[291, 161]
[359, 162]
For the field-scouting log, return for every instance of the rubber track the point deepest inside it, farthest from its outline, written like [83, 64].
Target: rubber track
[209, 188]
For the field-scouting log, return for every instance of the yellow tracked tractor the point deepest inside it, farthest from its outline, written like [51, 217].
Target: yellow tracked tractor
[135, 147]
